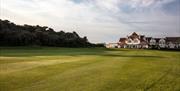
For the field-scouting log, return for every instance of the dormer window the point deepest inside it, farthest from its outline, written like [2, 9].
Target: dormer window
[162, 41]
[152, 42]
[129, 41]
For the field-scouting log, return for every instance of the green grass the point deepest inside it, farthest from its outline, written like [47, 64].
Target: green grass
[88, 69]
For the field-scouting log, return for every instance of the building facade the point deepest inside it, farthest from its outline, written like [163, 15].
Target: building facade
[141, 41]
[133, 41]
[112, 45]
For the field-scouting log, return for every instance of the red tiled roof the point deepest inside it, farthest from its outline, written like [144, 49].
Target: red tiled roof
[134, 35]
[148, 38]
[157, 39]
[122, 39]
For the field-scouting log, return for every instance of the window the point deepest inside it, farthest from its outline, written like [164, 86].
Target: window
[129, 41]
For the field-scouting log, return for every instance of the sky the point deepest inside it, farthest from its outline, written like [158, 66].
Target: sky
[100, 20]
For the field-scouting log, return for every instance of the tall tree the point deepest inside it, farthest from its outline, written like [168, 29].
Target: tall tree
[28, 35]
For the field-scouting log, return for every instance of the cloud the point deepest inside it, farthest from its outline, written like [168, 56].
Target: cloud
[101, 21]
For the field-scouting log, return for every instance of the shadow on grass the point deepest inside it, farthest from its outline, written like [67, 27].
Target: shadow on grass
[43, 51]
[31, 52]
[84, 54]
[119, 49]
[144, 56]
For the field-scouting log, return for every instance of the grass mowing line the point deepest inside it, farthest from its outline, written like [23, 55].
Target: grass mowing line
[133, 72]
[158, 80]
[116, 70]
[20, 66]
[43, 72]
[84, 72]
[67, 72]
[7, 60]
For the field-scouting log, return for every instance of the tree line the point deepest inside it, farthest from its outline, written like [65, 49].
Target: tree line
[28, 35]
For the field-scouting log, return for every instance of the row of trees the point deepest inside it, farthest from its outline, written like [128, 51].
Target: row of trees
[27, 35]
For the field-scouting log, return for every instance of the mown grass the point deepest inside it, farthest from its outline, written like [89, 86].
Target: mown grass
[88, 69]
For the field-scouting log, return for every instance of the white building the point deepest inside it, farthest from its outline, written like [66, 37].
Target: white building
[133, 41]
[162, 43]
[152, 42]
[140, 41]
[112, 45]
